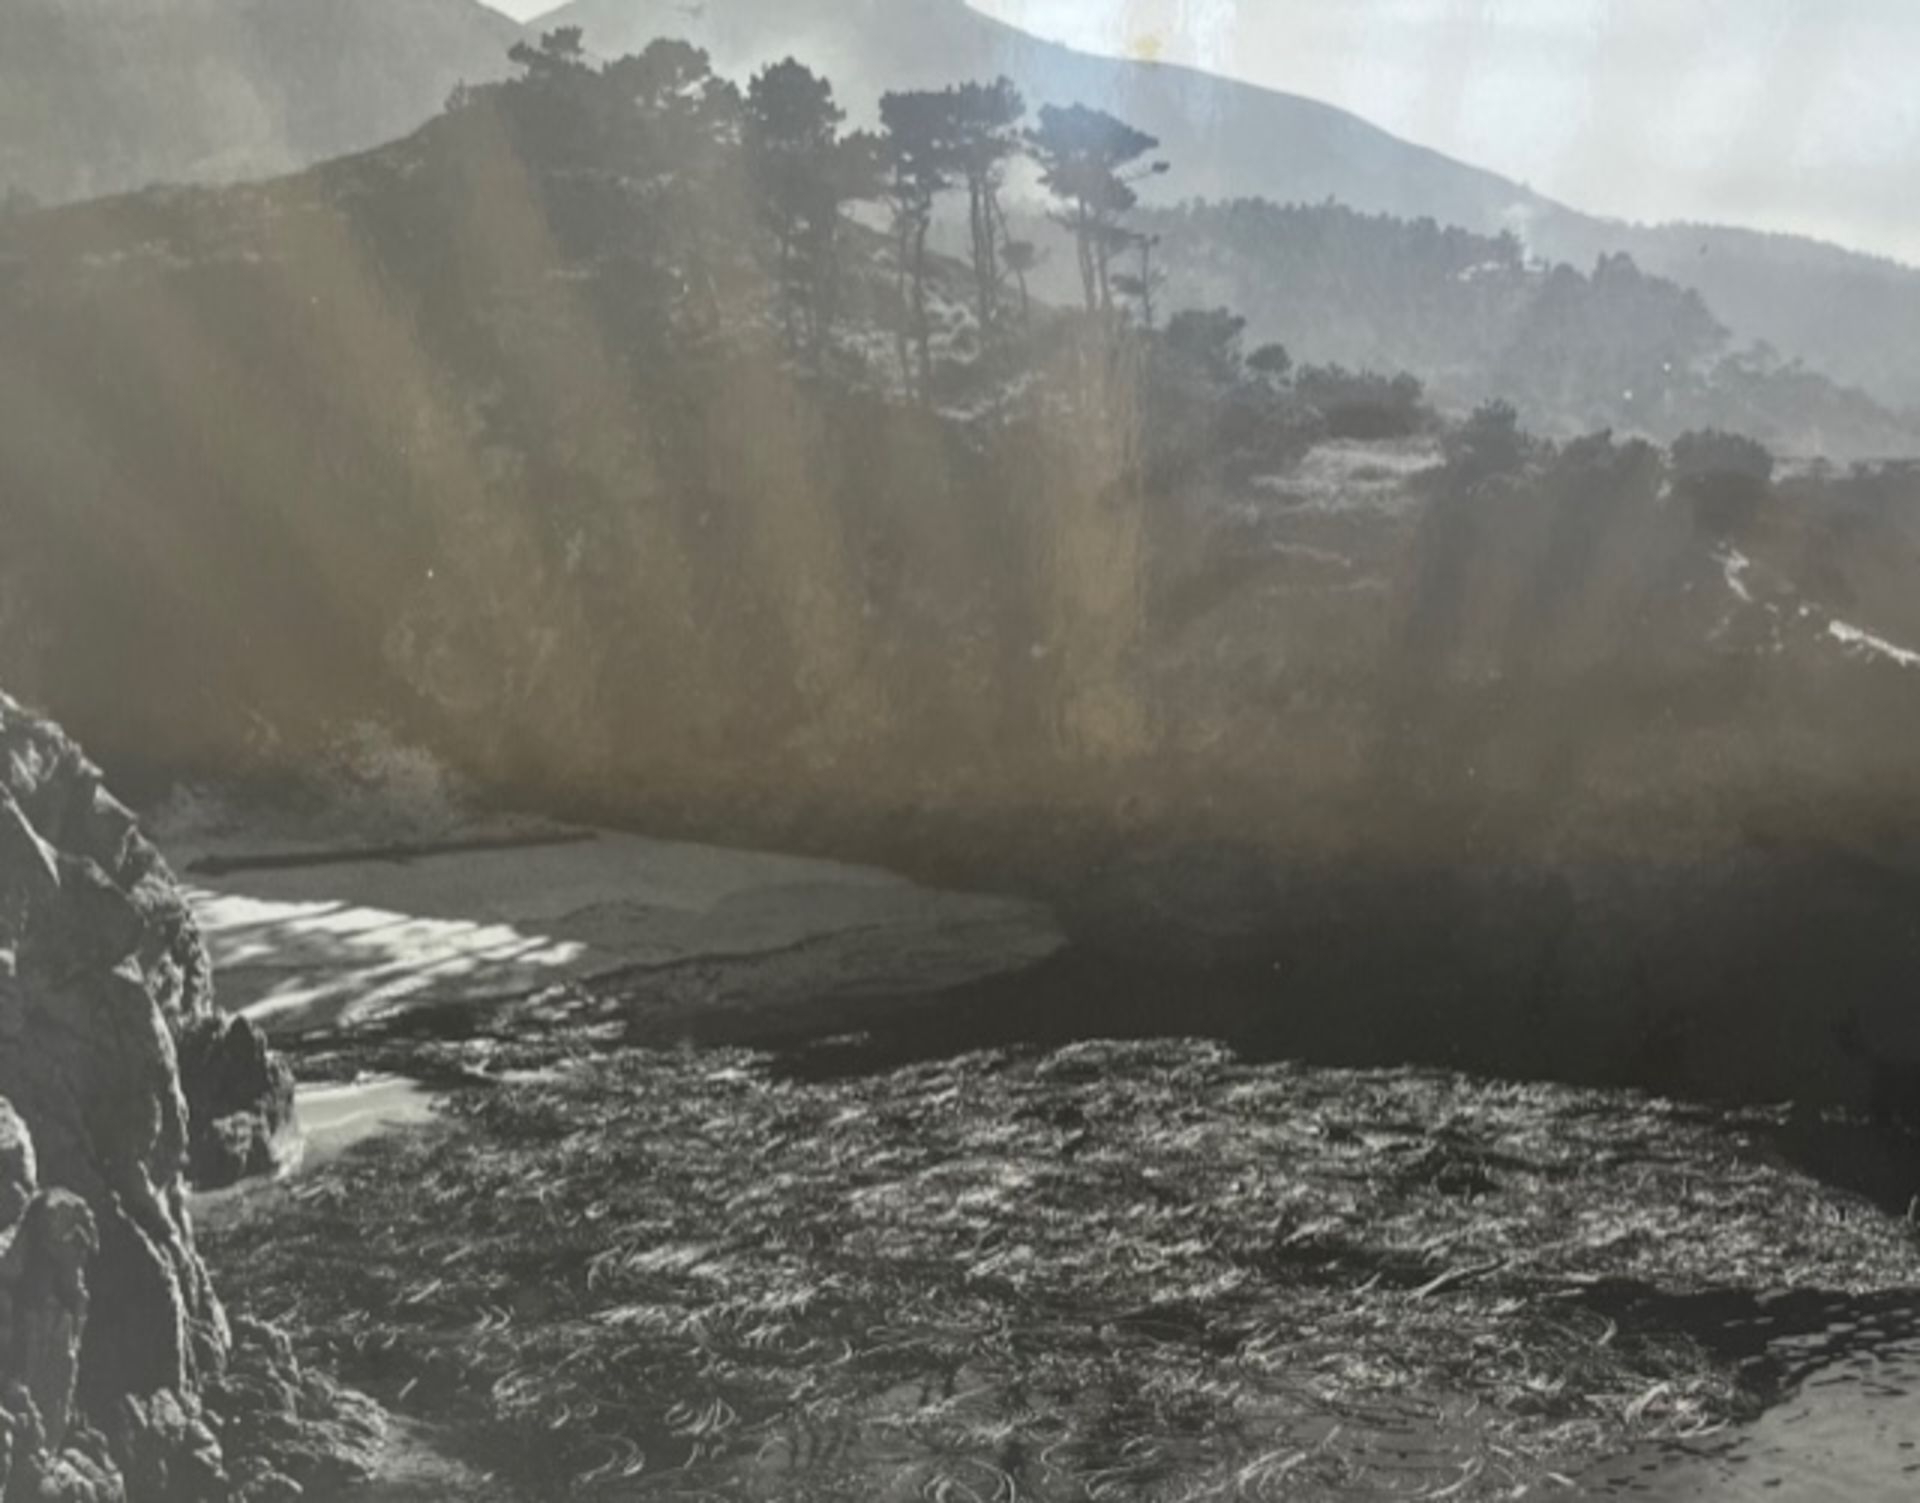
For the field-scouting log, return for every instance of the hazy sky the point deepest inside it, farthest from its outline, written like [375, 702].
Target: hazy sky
[1783, 114]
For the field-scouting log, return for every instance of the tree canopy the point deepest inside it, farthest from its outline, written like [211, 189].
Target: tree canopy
[1089, 162]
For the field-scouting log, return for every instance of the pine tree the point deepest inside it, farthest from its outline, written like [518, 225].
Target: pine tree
[1089, 161]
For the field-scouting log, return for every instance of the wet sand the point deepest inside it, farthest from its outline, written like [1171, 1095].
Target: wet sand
[306, 946]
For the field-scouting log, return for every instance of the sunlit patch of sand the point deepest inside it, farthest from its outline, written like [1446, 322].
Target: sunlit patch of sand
[305, 946]
[278, 959]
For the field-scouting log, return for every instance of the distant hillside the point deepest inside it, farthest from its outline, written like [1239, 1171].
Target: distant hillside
[97, 96]
[1850, 316]
[450, 435]
[1607, 345]
[527, 441]
[1228, 138]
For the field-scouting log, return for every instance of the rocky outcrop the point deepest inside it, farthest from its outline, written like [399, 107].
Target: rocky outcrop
[239, 1100]
[112, 1340]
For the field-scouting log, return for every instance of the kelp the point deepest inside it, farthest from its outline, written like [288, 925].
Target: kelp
[1141, 1270]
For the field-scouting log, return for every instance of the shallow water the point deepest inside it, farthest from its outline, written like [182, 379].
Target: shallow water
[1848, 1429]
[414, 1469]
[333, 1118]
[968, 1436]
[328, 1120]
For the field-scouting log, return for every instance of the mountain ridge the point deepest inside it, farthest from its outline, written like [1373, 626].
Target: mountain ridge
[1850, 315]
[103, 96]
[107, 95]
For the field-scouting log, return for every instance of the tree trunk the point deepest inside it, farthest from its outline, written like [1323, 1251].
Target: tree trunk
[982, 210]
[1019, 272]
[902, 282]
[786, 284]
[1146, 283]
[991, 222]
[1083, 243]
[922, 327]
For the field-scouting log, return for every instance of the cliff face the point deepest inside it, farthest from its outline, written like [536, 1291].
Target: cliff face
[120, 1374]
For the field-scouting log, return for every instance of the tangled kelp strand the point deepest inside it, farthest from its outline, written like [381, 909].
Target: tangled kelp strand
[1146, 1270]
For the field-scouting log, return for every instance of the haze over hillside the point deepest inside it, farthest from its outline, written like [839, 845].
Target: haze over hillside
[1854, 317]
[1781, 115]
[1229, 139]
[98, 96]
[542, 440]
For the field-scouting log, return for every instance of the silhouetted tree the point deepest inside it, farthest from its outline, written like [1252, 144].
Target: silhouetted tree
[677, 155]
[557, 108]
[854, 172]
[937, 139]
[921, 163]
[1364, 404]
[1088, 162]
[1142, 285]
[1209, 339]
[1487, 443]
[1271, 362]
[1726, 476]
[1021, 257]
[984, 123]
[791, 133]
[672, 86]
[1204, 419]
[559, 53]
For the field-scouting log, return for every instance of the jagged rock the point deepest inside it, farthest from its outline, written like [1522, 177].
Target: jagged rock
[82, 1472]
[286, 1427]
[19, 1178]
[240, 1095]
[167, 1454]
[20, 1435]
[112, 1341]
[43, 1303]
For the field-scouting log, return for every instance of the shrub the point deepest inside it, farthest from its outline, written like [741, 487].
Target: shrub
[1272, 362]
[1364, 404]
[1488, 443]
[1209, 338]
[1727, 477]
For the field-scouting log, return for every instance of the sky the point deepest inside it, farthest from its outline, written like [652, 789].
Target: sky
[1781, 114]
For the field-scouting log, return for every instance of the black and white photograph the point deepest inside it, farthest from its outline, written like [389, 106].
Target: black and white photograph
[959, 751]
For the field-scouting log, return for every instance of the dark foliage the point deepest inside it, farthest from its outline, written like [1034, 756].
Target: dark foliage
[1089, 162]
[1486, 444]
[1363, 404]
[1477, 319]
[1725, 475]
[567, 437]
